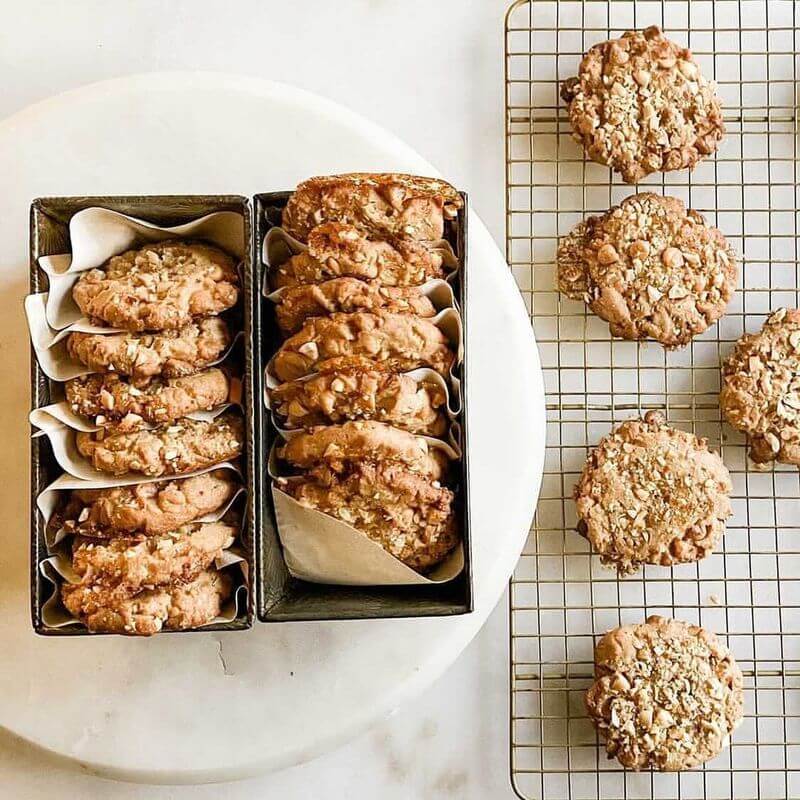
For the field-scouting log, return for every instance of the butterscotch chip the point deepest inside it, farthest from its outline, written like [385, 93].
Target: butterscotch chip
[178, 556]
[179, 447]
[364, 392]
[113, 610]
[159, 286]
[347, 295]
[651, 268]
[170, 354]
[406, 513]
[336, 250]
[108, 398]
[652, 494]
[640, 104]
[761, 388]
[386, 204]
[401, 342]
[146, 509]
[337, 446]
[667, 694]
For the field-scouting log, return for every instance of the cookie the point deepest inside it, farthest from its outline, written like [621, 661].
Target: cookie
[171, 354]
[651, 268]
[158, 287]
[135, 563]
[666, 696]
[183, 446]
[640, 104]
[761, 388]
[108, 398]
[347, 295]
[181, 607]
[406, 513]
[385, 204]
[652, 494]
[336, 250]
[337, 446]
[362, 392]
[401, 342]
[147, 509]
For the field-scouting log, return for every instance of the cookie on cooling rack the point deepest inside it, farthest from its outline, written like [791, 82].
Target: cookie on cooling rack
[761, 388]
[651, 268]
[666, 696]
[640, 104]
[652, 494]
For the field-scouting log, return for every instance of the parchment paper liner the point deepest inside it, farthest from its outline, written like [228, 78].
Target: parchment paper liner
[97, 234]
[321, 549]
[65, 450]
[48, 500]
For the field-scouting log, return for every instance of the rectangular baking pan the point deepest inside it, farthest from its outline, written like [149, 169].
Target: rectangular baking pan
[49, 234]
[281, 597]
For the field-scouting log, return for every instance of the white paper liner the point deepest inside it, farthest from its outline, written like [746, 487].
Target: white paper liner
[51, 345]
[48, 500]
[97, 234]
[321, 549]
[58, 569]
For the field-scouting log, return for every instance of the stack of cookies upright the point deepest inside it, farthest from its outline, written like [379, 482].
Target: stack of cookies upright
[361, 384]
[146, 426]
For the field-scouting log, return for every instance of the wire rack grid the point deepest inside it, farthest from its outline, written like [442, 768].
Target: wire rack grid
[561, 598]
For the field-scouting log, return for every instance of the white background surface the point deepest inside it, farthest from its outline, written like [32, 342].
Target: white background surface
[431, 72]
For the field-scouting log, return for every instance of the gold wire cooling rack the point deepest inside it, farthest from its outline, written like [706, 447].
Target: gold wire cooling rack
[561, 598]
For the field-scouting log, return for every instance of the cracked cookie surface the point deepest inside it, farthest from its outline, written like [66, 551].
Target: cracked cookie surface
[640, 104]
[761, 388]
[652, 494]
[157, 287]
[667, 694]
[651, 268]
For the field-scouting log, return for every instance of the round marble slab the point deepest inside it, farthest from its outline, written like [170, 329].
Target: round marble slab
[209, 707]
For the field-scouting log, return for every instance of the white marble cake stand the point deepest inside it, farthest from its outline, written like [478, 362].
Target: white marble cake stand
[216, 707]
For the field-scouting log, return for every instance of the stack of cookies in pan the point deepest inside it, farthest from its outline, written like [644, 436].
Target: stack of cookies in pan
[144, 555]
[360, 382]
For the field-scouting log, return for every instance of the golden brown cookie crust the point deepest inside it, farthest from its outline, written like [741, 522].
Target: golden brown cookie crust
[157, 287]
[147, 509]
[640, 105]
[170, 354]
[404, 512]
[386, 204]
[651, 268]
[354, 392]
[347, 295]
[108, 398]
[652, 494]
[667, 695]
[761, 388]
[402, 342]
[179, 447]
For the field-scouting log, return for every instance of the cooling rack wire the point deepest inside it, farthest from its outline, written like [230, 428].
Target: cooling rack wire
[561, 598]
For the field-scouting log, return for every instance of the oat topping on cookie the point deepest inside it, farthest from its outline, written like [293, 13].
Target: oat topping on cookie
[176, 448]
[667, 695]
[640, 104]
[158, 287]
[362, 392]
[652, 494]
[761, 388]
[347, 295]
[109, 399]
[651, 268]
[170, 354]
[386, 204]
[337, 250]
[401, 342]
[406, 513]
